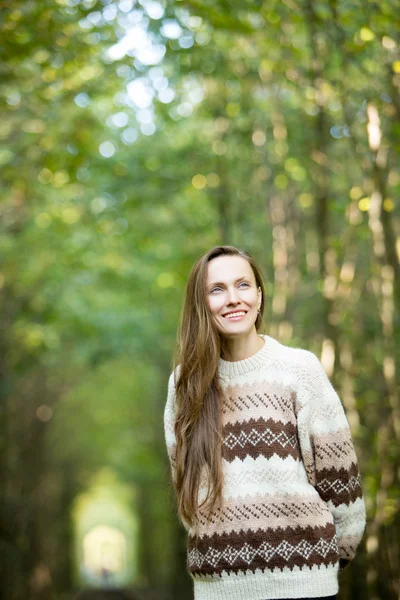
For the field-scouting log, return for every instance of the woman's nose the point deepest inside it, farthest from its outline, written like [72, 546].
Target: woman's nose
[232, 296]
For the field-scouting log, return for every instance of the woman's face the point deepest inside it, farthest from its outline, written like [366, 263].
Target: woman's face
[231, 288]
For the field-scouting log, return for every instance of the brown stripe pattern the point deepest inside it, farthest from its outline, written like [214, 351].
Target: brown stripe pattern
[340, 486]
[259, 437]
[263, 549]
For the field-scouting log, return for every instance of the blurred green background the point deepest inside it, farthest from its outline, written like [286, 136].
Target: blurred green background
[134, 136]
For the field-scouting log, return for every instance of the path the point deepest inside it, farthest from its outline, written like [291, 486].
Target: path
[105, 595]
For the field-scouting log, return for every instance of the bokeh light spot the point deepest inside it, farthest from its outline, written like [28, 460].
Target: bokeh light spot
[140, 92]
[44, 413]
[43, 220]
[129, 136]
[185, 109]
[166, 96]
[219, 147]
[45, 176]
[165, 280]
[388, 204]
[60, 178]
[147, 128]
[33, 126]
[98, 204]
[13, 98]
[154, 9]
[88, 72]
[107, 149]
[281, 181]
[364, 203]
[5, 156]
[306, 200]
[199, 181]
[259, 138]
[366, 34]
[119, 119]
[355, 192]
[82, 100]
[71, 215]
[171, 29]
[388, 43]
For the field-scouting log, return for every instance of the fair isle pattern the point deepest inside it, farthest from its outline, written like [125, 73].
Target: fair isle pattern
[246, 554]
[338, 487]
[252, 554]
[259, 437]
[292, 501]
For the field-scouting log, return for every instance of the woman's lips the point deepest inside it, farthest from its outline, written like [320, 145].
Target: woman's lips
[237, 318]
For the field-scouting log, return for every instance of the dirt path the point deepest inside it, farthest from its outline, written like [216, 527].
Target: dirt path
[104, 595]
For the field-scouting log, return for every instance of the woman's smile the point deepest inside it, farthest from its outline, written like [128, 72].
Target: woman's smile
[236, 316]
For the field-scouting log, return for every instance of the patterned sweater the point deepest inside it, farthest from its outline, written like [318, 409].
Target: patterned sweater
[292, 503]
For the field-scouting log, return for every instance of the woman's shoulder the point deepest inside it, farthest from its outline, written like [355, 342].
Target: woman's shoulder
[307, 369]
[296, 355]
[303, 364]
[173, 378]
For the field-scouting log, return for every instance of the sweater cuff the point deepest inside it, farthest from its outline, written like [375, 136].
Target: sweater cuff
[343, 562]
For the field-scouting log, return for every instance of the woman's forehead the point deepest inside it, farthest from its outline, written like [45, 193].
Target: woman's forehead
[228, 268]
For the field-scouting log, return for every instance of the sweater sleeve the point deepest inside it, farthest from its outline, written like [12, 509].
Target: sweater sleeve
[169, 422]
[329, 456]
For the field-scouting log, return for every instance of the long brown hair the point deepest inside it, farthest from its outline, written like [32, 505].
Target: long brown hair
[198, 426]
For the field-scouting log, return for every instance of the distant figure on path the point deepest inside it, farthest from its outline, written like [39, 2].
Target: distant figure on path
[262, 459]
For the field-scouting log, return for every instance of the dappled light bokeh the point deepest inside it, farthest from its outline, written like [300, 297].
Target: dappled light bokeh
[135, 135]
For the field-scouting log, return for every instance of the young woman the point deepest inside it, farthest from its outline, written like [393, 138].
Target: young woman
[262, 459]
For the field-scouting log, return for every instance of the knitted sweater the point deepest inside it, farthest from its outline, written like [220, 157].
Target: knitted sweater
[292, 503]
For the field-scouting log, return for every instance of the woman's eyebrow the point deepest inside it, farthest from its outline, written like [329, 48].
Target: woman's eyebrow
[222, 283]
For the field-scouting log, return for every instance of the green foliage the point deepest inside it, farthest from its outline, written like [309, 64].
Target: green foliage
[249, 124]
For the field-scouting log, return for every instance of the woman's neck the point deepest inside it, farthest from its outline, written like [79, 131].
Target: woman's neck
[240, 348]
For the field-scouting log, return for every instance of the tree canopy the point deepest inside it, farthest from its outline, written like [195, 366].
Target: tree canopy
[134, 136]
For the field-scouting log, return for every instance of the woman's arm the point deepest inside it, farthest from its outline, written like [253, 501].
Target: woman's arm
[329, 456]
[169, 421]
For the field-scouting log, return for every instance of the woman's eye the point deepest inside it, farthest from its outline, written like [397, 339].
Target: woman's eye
[218, 288]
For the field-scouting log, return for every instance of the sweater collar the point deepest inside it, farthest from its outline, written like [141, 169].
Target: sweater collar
[240, 367]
